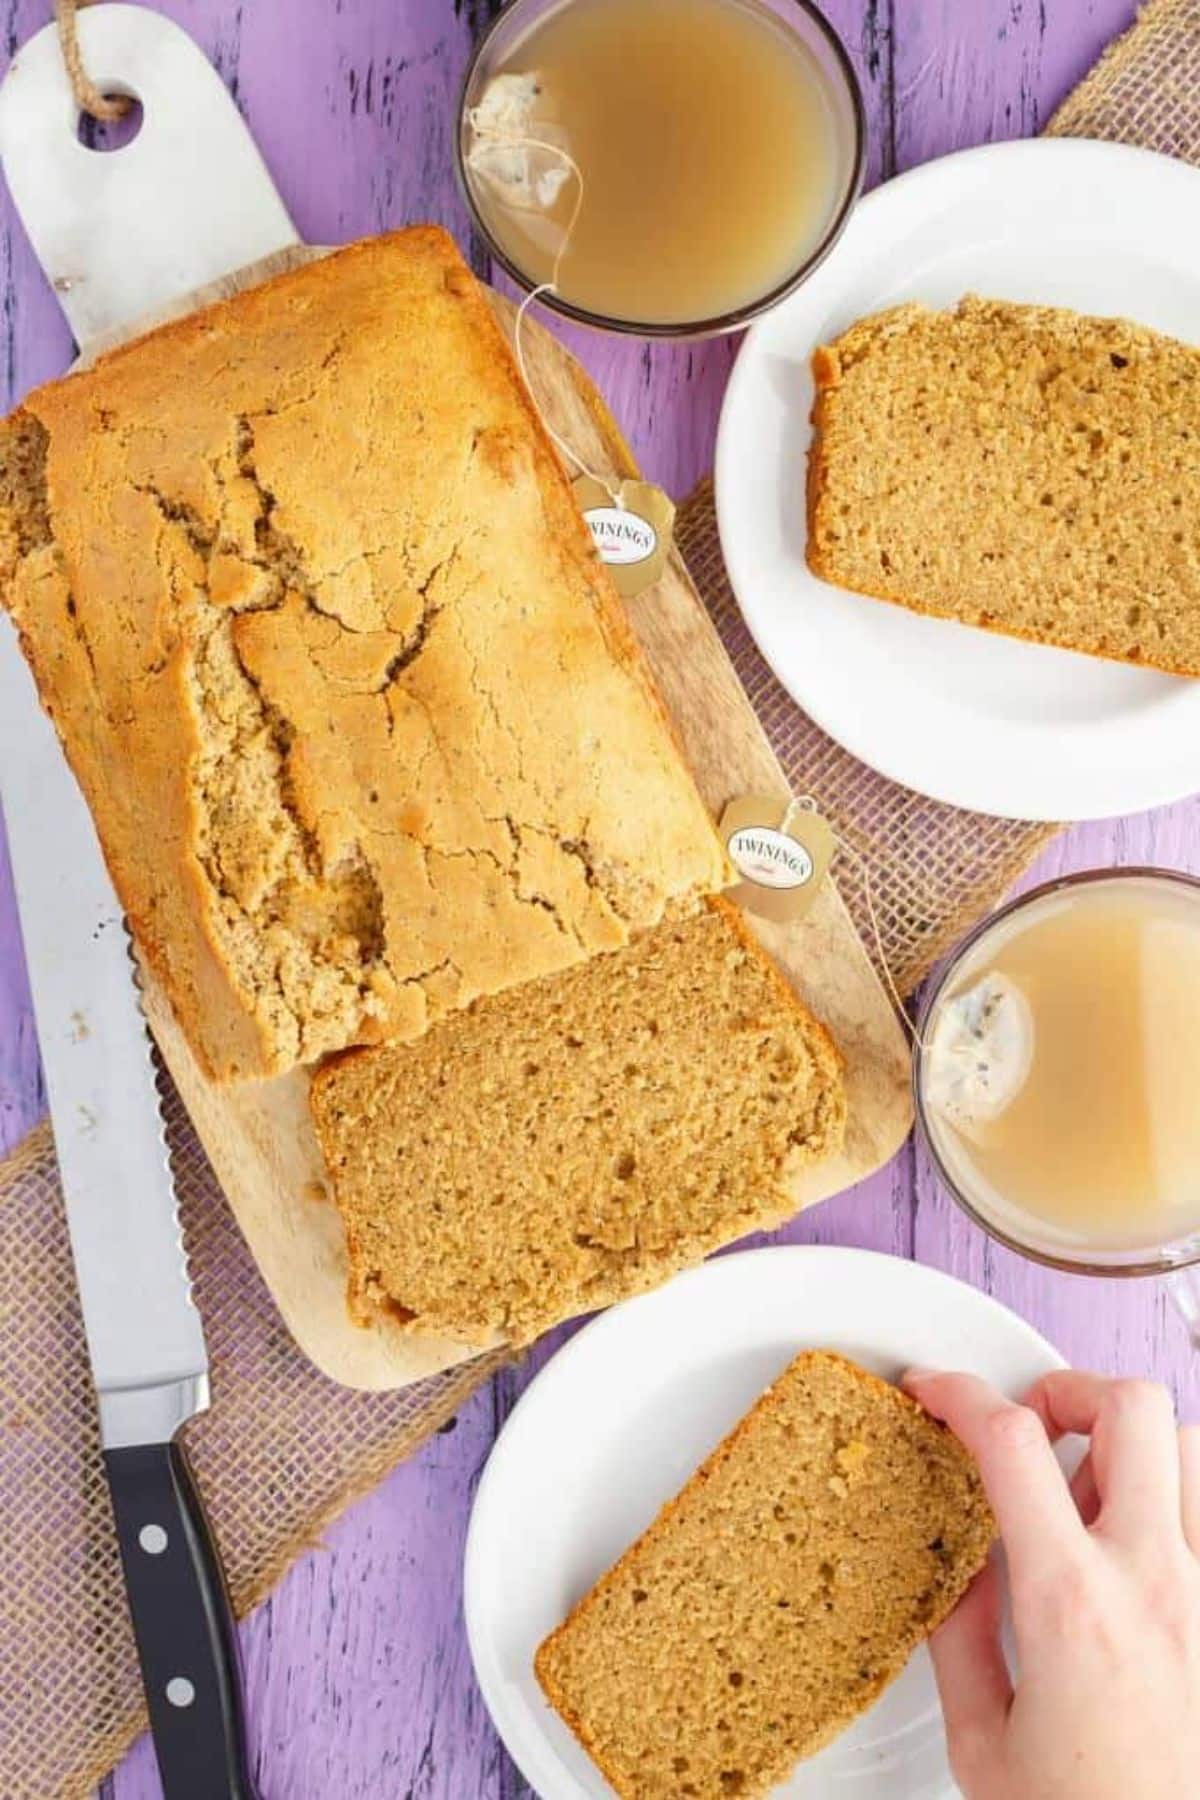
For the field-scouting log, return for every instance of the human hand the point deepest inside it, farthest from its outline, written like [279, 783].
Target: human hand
[1105, 1584]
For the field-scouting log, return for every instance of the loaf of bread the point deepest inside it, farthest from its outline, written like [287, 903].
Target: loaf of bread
[775, 1597]
[580, 1138]
[1017, 467]
[353, 702]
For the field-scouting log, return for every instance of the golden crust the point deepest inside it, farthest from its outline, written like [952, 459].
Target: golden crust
[355, 706]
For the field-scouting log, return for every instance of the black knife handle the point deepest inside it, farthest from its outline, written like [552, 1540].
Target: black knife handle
[186, 1641]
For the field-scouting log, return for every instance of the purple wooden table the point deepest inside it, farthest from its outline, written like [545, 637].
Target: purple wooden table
[359, 1678]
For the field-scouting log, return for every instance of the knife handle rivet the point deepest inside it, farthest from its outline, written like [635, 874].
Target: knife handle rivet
[153, 1539]
[180, 1691]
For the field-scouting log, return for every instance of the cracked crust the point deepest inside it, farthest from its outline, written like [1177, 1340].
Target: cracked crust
[355, 707]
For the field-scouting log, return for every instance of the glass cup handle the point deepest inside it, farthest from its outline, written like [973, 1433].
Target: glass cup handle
[1183, 1285]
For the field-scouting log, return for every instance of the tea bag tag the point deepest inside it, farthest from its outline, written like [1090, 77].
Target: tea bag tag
[782, 851]
[631, 524]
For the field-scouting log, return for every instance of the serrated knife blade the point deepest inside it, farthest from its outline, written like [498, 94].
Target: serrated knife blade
[143, 1331]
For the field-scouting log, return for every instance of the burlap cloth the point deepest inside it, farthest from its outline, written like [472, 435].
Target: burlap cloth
[283, 1450]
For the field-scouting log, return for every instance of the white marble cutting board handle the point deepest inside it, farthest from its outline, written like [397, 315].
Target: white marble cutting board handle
[126, 233]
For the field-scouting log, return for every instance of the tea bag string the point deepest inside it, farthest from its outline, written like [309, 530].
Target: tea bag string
[807, 803]
[611, 484]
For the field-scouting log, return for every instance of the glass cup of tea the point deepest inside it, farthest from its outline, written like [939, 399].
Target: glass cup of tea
[673, 169]
[1057, 1077]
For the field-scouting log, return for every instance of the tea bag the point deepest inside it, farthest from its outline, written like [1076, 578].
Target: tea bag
[980, 1053]
[523, 157]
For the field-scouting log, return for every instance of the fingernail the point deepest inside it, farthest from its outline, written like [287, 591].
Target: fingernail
[914, 1377]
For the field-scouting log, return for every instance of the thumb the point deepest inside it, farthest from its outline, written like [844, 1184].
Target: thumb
[973, 1679]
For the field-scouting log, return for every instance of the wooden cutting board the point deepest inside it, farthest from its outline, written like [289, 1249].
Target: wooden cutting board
[148, 233]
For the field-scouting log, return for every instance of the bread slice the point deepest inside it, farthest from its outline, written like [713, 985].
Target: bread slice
[1022, 468]
[578, 1139]
[777, 1595]
[353, 702]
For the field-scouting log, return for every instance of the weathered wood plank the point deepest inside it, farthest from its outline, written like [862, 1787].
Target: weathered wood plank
[358, 1673]
[990, 69]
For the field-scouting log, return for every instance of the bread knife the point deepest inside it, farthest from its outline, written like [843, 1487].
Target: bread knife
[144, 1334]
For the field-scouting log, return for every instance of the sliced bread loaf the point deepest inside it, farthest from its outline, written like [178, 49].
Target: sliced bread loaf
[1022, 468]
[775, 1597]
[575, 1140]
[355, 706]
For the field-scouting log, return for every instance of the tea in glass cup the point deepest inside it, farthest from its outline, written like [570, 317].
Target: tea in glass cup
[672, 168]
[1058, 1075]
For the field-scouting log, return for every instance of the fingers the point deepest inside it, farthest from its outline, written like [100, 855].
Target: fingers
[1189, 1461]
[972, 1675]
[1028, 1491]
[1067, 1401]
[1135, 1446]
[1084, 1491]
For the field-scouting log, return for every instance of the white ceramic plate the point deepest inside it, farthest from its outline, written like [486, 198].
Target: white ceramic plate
[619, 1419]
[967, 717]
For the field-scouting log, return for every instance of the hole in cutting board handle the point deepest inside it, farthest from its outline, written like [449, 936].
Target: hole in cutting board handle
[106, 136]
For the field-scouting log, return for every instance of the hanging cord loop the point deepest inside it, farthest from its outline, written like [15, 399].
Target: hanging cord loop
[87, 95]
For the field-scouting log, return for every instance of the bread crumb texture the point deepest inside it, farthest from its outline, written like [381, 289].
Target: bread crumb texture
[578, 1139]
[353, 702]
[1022, 468]
[775, 1597]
